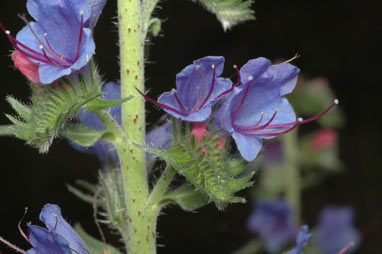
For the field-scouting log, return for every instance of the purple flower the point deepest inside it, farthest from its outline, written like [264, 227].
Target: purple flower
[273, 221]
[257, 109]
[58, 238]
[60, 40]
[198, 88]
[302, 239]
[335, 229]
[159, 137]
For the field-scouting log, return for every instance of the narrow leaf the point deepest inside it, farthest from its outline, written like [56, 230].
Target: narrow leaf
[187, 198]
[99, 104]
[81, 135]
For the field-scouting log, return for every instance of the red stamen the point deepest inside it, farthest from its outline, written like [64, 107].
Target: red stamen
[62, 58]
[52, 61]
[160, 104]
[256, 127]
[235, 85]
[55, 226]
[250, 78]
[346, 248]
[274, 134]
[80, 37]
[180, 104]
[212, 87]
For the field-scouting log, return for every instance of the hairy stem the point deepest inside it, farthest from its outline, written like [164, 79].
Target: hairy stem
[141, 220]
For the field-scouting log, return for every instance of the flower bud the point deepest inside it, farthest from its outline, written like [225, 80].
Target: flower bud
[28, 68]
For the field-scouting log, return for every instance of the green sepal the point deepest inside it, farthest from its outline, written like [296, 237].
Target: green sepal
[94, 245]
[82, 135]
[187, 198]
[83, 196]
[99, 104]
[215, 174]
[52, 106]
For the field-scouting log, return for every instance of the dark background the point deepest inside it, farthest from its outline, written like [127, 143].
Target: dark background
[337, 39]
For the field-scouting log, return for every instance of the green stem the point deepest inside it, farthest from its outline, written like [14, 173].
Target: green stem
[292, 181]
[6, 130]
[161, 186]
[141, 219]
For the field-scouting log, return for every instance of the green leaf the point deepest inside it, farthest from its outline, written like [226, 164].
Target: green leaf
[82, 135]
[6, 130]
[187, 198]
[95, 246]
[99, 104]
[22, 110]
[230, 12]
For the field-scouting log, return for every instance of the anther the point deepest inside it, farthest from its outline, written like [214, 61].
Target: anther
[87, 58]
[46, 34]
[173, 90]
[213, 66]
[235, 66]
[300, 119]
[81, 12]
[336, 101]
[250, 78]
[41, 46]
[8, 32]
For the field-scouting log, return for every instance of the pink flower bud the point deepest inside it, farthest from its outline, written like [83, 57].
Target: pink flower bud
[324, 139]
[26, 66]
[199, 130]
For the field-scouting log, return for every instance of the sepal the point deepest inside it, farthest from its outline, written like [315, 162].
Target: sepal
[207, 165]
[51, 107]
[99, 104]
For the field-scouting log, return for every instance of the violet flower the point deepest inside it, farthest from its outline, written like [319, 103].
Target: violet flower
[257, 109]
[273, 222]
[335, 229]
[198, 88]
[58, 238]
[60, 40]
[159, 137]
[302, 239]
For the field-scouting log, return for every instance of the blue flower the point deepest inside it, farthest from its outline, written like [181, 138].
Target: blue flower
[335, 229]
[158, 137]
[198, 88]
[60, 40]
[302, 239]
[258, 109]
[58, 238]
[274, 223]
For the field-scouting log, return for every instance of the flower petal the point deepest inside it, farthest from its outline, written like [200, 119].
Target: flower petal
[52, 218]
[47, 242]
[248, 146]
[96, 8]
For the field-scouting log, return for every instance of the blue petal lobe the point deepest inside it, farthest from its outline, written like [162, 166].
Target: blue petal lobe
[52, 218]
[96, 9]
[248, 146]
[47, 242]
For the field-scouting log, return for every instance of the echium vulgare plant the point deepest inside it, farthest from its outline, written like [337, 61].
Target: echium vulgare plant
[55, 51]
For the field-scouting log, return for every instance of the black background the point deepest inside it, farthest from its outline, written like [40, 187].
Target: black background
[337, 39]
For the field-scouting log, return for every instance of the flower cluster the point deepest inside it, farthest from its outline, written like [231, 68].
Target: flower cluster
[251, 110]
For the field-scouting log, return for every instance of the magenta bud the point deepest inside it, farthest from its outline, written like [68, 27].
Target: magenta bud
[28, 68]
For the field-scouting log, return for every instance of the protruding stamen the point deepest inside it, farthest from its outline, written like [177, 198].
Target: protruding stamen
[12, 246]
[160, 104]
[256, 127]
[297, 55]
[19, 225]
